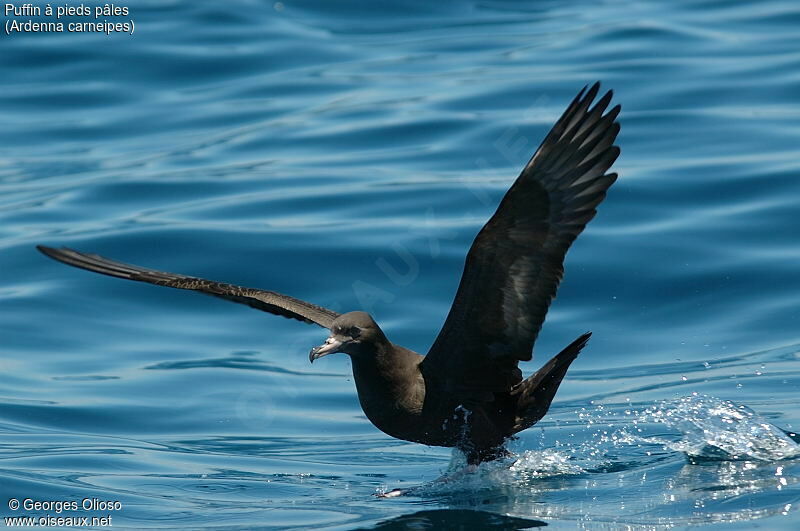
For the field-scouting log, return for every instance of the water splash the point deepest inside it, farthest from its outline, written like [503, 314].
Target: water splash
[515, 471]
[712, 428]
[545, 463]
[620, 439]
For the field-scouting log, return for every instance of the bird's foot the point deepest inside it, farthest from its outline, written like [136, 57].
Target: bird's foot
[441, 480]
[394, 493]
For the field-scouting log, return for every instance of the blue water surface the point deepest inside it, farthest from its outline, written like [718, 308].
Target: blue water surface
[347, 153]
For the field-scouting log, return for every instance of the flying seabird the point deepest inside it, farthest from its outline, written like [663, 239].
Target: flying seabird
[468, 391]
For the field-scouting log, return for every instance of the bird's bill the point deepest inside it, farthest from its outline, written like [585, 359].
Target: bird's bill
[330, 346]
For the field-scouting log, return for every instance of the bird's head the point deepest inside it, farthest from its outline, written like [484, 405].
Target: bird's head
[353, 333]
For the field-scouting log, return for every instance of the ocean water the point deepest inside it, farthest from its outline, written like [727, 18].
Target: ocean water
[347, 153]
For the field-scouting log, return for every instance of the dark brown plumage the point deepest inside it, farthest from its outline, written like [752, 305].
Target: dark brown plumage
[468, 391]
[267, 301]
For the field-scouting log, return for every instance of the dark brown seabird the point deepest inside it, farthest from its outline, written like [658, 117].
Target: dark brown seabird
[468, 391]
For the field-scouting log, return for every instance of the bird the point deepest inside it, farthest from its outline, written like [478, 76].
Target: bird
[468, 391]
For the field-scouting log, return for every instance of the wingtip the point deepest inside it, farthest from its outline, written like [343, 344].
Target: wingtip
[579, 343]
[591, 94]
[578, 97]
[45, 250]
[595, 90]
[54, 252]
[613, 153]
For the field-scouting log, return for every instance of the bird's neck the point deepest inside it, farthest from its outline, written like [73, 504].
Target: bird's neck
[390, 387]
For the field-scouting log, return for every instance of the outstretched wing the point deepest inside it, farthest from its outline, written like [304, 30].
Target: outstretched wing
[267, 301]
[515, 264]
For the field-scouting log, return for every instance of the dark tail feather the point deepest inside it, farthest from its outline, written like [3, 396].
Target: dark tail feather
[536, 392]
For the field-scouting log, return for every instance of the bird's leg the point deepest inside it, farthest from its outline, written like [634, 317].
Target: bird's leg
[441, 480]
[394, 493]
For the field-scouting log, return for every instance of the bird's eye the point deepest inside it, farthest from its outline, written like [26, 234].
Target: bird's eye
[354, 331]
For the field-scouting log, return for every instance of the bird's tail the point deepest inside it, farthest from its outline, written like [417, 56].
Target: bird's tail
[535, 393]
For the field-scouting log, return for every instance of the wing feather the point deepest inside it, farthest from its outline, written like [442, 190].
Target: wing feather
[515, 264]
[268, 301]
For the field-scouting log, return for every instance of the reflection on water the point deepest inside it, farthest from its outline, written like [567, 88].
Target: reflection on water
[456, 519]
